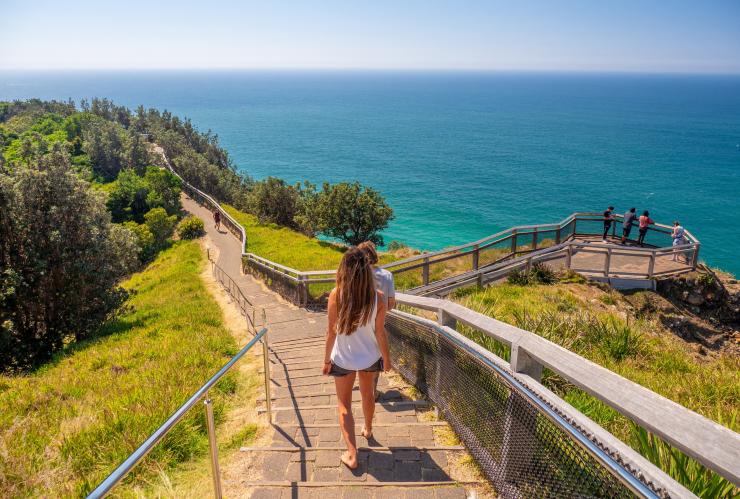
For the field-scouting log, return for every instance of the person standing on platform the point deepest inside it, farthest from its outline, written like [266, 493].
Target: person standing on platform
[678, 237]
[608, 219]
[629, 218]
[645, 221]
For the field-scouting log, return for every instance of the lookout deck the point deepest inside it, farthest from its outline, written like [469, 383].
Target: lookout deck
[410, 453]
[626, 261]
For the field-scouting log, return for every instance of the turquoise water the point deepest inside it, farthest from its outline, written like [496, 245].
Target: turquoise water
[463, 155]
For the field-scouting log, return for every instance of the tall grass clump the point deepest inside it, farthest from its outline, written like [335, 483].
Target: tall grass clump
[573, 316]
[680, 467]
[64, 427]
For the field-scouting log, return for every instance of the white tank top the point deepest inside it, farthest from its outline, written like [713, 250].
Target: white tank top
[359, 350]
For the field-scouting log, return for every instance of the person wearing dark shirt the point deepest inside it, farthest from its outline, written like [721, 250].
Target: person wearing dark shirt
[217, 220]
[608, 218]
[629, 217]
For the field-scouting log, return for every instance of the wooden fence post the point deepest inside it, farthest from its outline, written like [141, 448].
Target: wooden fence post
[651, 265]
[568, 256]
[557, 235]
[513, 242]
[534, 239]
[476, 256]
[607, 261]
[425, 272]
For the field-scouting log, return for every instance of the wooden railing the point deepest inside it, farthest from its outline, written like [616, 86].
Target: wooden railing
[490, 258]
[710, 443]
[481, 262]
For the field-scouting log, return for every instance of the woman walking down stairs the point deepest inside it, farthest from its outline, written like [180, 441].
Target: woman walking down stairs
[410, 453]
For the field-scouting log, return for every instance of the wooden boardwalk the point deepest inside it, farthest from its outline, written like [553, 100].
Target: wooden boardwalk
[411, 454]
[626, 265]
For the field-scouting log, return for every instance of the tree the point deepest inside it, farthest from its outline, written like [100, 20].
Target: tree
[272, 200]
[164, 190]
[60, 260]
[128, 200]
[353, 213]
[307, 216]
[135, 155]
[104, 144]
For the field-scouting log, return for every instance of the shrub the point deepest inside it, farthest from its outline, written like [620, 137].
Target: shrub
[161, 225]
[539, 273]
[396, 246]
[518, 277]
[191, 227]
[144, 240]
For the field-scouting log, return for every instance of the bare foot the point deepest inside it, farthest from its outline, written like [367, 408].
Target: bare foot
[350, 461]
[368, 434]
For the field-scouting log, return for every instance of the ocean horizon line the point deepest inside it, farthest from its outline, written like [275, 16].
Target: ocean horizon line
[330, 70]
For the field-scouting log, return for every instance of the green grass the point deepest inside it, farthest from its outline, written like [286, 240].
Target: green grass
[285, 246]
[64, 427]
[636, 349]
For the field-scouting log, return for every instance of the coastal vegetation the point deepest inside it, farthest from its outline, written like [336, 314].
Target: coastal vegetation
[609, 329]
[66, 425]
[78, 204]
[105, 154]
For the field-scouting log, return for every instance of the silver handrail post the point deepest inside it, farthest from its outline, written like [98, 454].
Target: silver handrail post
[215, 470]
[266, 358]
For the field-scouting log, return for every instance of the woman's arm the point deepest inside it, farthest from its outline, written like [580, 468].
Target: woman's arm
[331, 332]
[380, 335]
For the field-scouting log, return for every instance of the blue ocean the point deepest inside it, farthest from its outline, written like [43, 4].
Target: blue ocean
[463, 155]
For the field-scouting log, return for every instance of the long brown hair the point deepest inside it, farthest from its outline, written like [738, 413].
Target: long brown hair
[355, 291]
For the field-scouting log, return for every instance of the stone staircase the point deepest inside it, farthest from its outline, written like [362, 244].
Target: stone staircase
[411, 453]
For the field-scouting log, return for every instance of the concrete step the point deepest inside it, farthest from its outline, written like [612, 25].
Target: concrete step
[386, 394]
[418, 435]
[391, 406]
[353, 490]
[413, 466]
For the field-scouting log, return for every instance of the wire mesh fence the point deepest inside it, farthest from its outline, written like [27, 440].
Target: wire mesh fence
[519, 448]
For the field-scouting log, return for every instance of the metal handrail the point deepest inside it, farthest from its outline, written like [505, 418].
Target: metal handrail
[710, 443]
[126, 466]
[603, 457]
[236, 293]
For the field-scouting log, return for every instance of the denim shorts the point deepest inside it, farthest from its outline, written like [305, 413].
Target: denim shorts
[340, 371]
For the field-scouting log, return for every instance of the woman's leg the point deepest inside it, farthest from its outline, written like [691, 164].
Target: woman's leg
[367, 392]
[344, 386]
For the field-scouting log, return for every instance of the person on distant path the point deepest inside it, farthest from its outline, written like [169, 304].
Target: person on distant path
[645, 220]
[384, 283]
[629, 218]
[356, 344]
[217, 220]
[608, 219]
[678, 237]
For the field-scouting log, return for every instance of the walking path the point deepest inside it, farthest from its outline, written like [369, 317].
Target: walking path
[411, 454]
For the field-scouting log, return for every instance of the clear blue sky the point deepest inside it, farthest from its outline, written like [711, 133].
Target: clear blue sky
[585, 35]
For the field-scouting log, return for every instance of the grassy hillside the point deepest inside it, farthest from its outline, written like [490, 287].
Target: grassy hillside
[289, 247]
[604, 327]
[64, 427]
